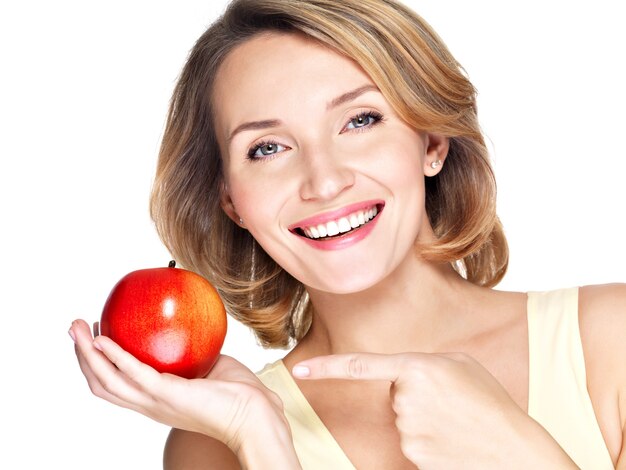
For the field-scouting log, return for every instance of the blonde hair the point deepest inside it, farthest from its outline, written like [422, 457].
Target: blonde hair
[423, 83]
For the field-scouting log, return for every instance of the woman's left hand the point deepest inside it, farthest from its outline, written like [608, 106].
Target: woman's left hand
[450, 411]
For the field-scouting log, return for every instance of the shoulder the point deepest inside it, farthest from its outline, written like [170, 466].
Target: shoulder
[185, 450]
[610, 298]
[602, 318]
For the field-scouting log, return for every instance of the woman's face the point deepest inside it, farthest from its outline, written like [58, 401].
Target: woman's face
[312, 148]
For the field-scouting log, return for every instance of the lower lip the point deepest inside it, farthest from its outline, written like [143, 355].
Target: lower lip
[344, 241]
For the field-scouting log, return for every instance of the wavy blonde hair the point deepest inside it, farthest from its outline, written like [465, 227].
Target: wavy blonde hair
[421, 80]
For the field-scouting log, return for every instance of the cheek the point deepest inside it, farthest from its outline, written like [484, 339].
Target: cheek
[249, 199]
[258, 204]
[398, 165]
[402, 173]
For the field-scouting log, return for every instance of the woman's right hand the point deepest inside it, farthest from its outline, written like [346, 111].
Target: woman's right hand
[227, 405]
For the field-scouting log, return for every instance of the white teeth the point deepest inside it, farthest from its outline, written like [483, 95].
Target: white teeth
[342, 225]
[333, 228]
[322, 230]
[354, 221]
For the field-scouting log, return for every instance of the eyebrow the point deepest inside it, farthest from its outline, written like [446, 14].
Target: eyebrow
[349, 96]
[254, 125]
[270, 123]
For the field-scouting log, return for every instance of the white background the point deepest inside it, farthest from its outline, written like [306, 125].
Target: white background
[83, 97]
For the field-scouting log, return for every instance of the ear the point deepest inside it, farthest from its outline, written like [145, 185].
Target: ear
[227, 204]
[437, 147]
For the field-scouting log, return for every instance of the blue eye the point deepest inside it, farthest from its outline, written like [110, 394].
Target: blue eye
[265, 149]
[363, 120]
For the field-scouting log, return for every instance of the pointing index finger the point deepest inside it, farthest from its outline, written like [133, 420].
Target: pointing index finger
[354, 366]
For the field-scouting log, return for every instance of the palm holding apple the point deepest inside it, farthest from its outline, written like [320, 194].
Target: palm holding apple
[159, 354]
[226, 405]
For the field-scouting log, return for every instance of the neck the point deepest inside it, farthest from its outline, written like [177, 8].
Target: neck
[416, 308]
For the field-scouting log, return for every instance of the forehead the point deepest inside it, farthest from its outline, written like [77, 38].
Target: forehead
[275, 72]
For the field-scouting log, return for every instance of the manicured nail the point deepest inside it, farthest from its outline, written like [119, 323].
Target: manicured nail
[301, 371]
[72, 335]
[97, 345]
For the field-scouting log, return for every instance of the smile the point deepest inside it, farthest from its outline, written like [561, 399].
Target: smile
[339, 226]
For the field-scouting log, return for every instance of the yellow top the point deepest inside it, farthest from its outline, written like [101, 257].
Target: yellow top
[557, 395]
[557, 390]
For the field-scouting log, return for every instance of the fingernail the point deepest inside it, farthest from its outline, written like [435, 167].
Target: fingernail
[97, 345]
[72, 335]
[301, 371]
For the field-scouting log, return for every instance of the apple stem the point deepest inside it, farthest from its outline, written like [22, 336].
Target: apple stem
[172, 264]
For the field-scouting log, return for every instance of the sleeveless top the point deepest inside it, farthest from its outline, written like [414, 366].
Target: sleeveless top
[557, 391]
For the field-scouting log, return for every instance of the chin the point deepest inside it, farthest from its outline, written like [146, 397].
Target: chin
[345, 285]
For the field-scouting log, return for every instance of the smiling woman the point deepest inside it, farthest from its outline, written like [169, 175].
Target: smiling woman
[324, 167]
[333, 167]
[463, 216]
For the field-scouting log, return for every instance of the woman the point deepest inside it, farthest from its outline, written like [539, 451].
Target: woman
[323, 166]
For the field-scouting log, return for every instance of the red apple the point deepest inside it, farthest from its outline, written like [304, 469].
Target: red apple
[170, 318]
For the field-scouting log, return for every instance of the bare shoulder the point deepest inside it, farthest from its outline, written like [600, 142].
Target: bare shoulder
[185, 450]
[608, 297]
[602, 317]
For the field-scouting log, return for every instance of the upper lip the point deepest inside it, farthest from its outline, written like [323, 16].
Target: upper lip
[336, 214]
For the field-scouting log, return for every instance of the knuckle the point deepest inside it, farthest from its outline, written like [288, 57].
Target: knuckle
[106, 385]
[403, 425]
[103, 388]
[97, 390]
[138, 376]
[415, 448]
[409, 448]
[401, 404]
[356, 367]
[143, 376]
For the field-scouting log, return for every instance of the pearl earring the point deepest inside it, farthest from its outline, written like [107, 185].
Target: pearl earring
[434, 165]
[240, 221]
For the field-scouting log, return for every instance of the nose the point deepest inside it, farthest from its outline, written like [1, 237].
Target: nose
[325, 176]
